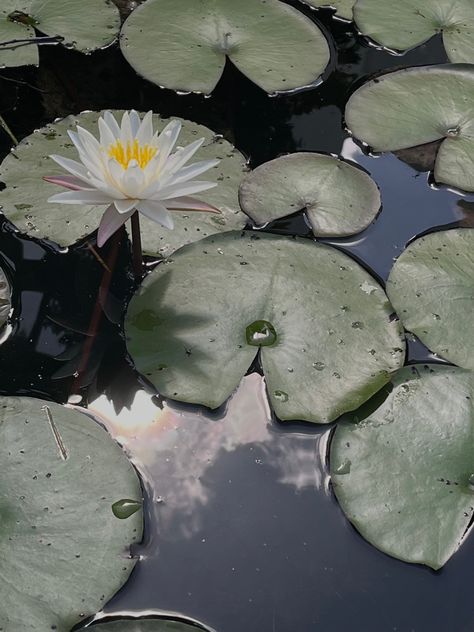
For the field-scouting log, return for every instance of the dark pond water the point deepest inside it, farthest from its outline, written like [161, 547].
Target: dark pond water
[242, 529]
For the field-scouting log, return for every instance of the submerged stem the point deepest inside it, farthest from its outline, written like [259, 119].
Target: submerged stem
[137, 254]
[7, 129]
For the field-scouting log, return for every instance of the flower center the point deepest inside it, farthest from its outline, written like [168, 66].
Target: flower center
[123, 154]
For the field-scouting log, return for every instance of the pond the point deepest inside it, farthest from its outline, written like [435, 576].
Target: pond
[242, 528]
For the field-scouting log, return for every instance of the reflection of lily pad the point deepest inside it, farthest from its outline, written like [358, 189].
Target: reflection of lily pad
[405, 24]
[23, 171]
[183, 44]
[343, 7]
[420, 105]
[69, 19]
[5, 298]
[404, 476]
[432, 288]
[146, 625]
[339, 199]
[322, 323]
[63, 551]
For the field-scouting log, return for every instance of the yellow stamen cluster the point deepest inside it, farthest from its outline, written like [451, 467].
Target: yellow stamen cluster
[123, 154]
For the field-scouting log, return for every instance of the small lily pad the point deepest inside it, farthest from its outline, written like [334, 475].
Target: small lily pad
[23, 170]
[62, 548]
[405, 24]
[431, 286]
[146, 625]
[416, 106]
[328, 339]
[403, 475]
[69, 19]
[183, 44]
[5, 298]
[343, 7]
[338, 198]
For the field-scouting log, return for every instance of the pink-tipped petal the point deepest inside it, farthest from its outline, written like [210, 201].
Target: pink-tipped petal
[111, 221]
[69, 182]
[191, 204]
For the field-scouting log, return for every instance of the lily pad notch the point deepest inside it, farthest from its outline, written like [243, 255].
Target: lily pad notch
[183, 44]
[416, 106]
[338, 198]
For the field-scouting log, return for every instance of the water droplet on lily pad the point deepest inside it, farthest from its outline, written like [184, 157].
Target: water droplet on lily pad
[343, 468]
[319, 366]
[125, 508]
[261, 333]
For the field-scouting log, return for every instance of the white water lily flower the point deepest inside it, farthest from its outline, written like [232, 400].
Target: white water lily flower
[131, 168]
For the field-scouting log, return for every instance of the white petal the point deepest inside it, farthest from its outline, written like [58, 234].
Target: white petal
[125, 206]
[72, 166]
[88, 140]
[134, 122]
[111, 221]
[145, 133]
[192, 171]
[167, 140]
[106, 136]
[109, 118]
[81, 197]
[126, 129]
[184, 188]
[76, 140]
[156, 212]
[181, 157]
[133, 180]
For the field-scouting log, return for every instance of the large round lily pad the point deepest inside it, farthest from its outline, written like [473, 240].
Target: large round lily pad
[339, 199]
[432, 288]
[69, 19]
[420, 105]
[408, 23]
[404, 476]
[146, 625]
[343, 7]
[24, 200]
[322, 323]
[63, 551]
[183, 44]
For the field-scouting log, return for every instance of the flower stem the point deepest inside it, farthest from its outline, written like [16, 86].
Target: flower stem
[137, 254]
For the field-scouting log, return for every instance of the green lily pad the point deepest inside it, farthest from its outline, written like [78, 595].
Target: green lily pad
[419, 105]
[183, 44]
[24, 200]
[404, 476]
[339, 199]
[405, 24]
[431, 286]
[343, 7]
[322, 324]
[63, 551]
[69, 19]
[5, 298]
[146, 625]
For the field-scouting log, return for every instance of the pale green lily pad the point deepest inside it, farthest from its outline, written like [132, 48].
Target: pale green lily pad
[419, 105]
[5, 298]
[343, 7]
[24, 201]
[431, 286]
[183, 44]
[404, 476]
[338, 198]
[63, 551]
[69, 19]
[322, 323]
[146, 625]
[404, 24]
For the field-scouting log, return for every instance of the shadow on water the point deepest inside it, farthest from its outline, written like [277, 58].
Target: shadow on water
[242, 531]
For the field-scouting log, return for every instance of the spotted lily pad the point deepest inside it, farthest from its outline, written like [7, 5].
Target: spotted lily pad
[405, 24]
[69, 19]
[419, 105]
[343, 7]
[404, 476]
[146, 625]
[323, 325]
[183, 44]
[63, 551]
[5, 298]
[432, 288]
[24, 200]
[339, 199]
